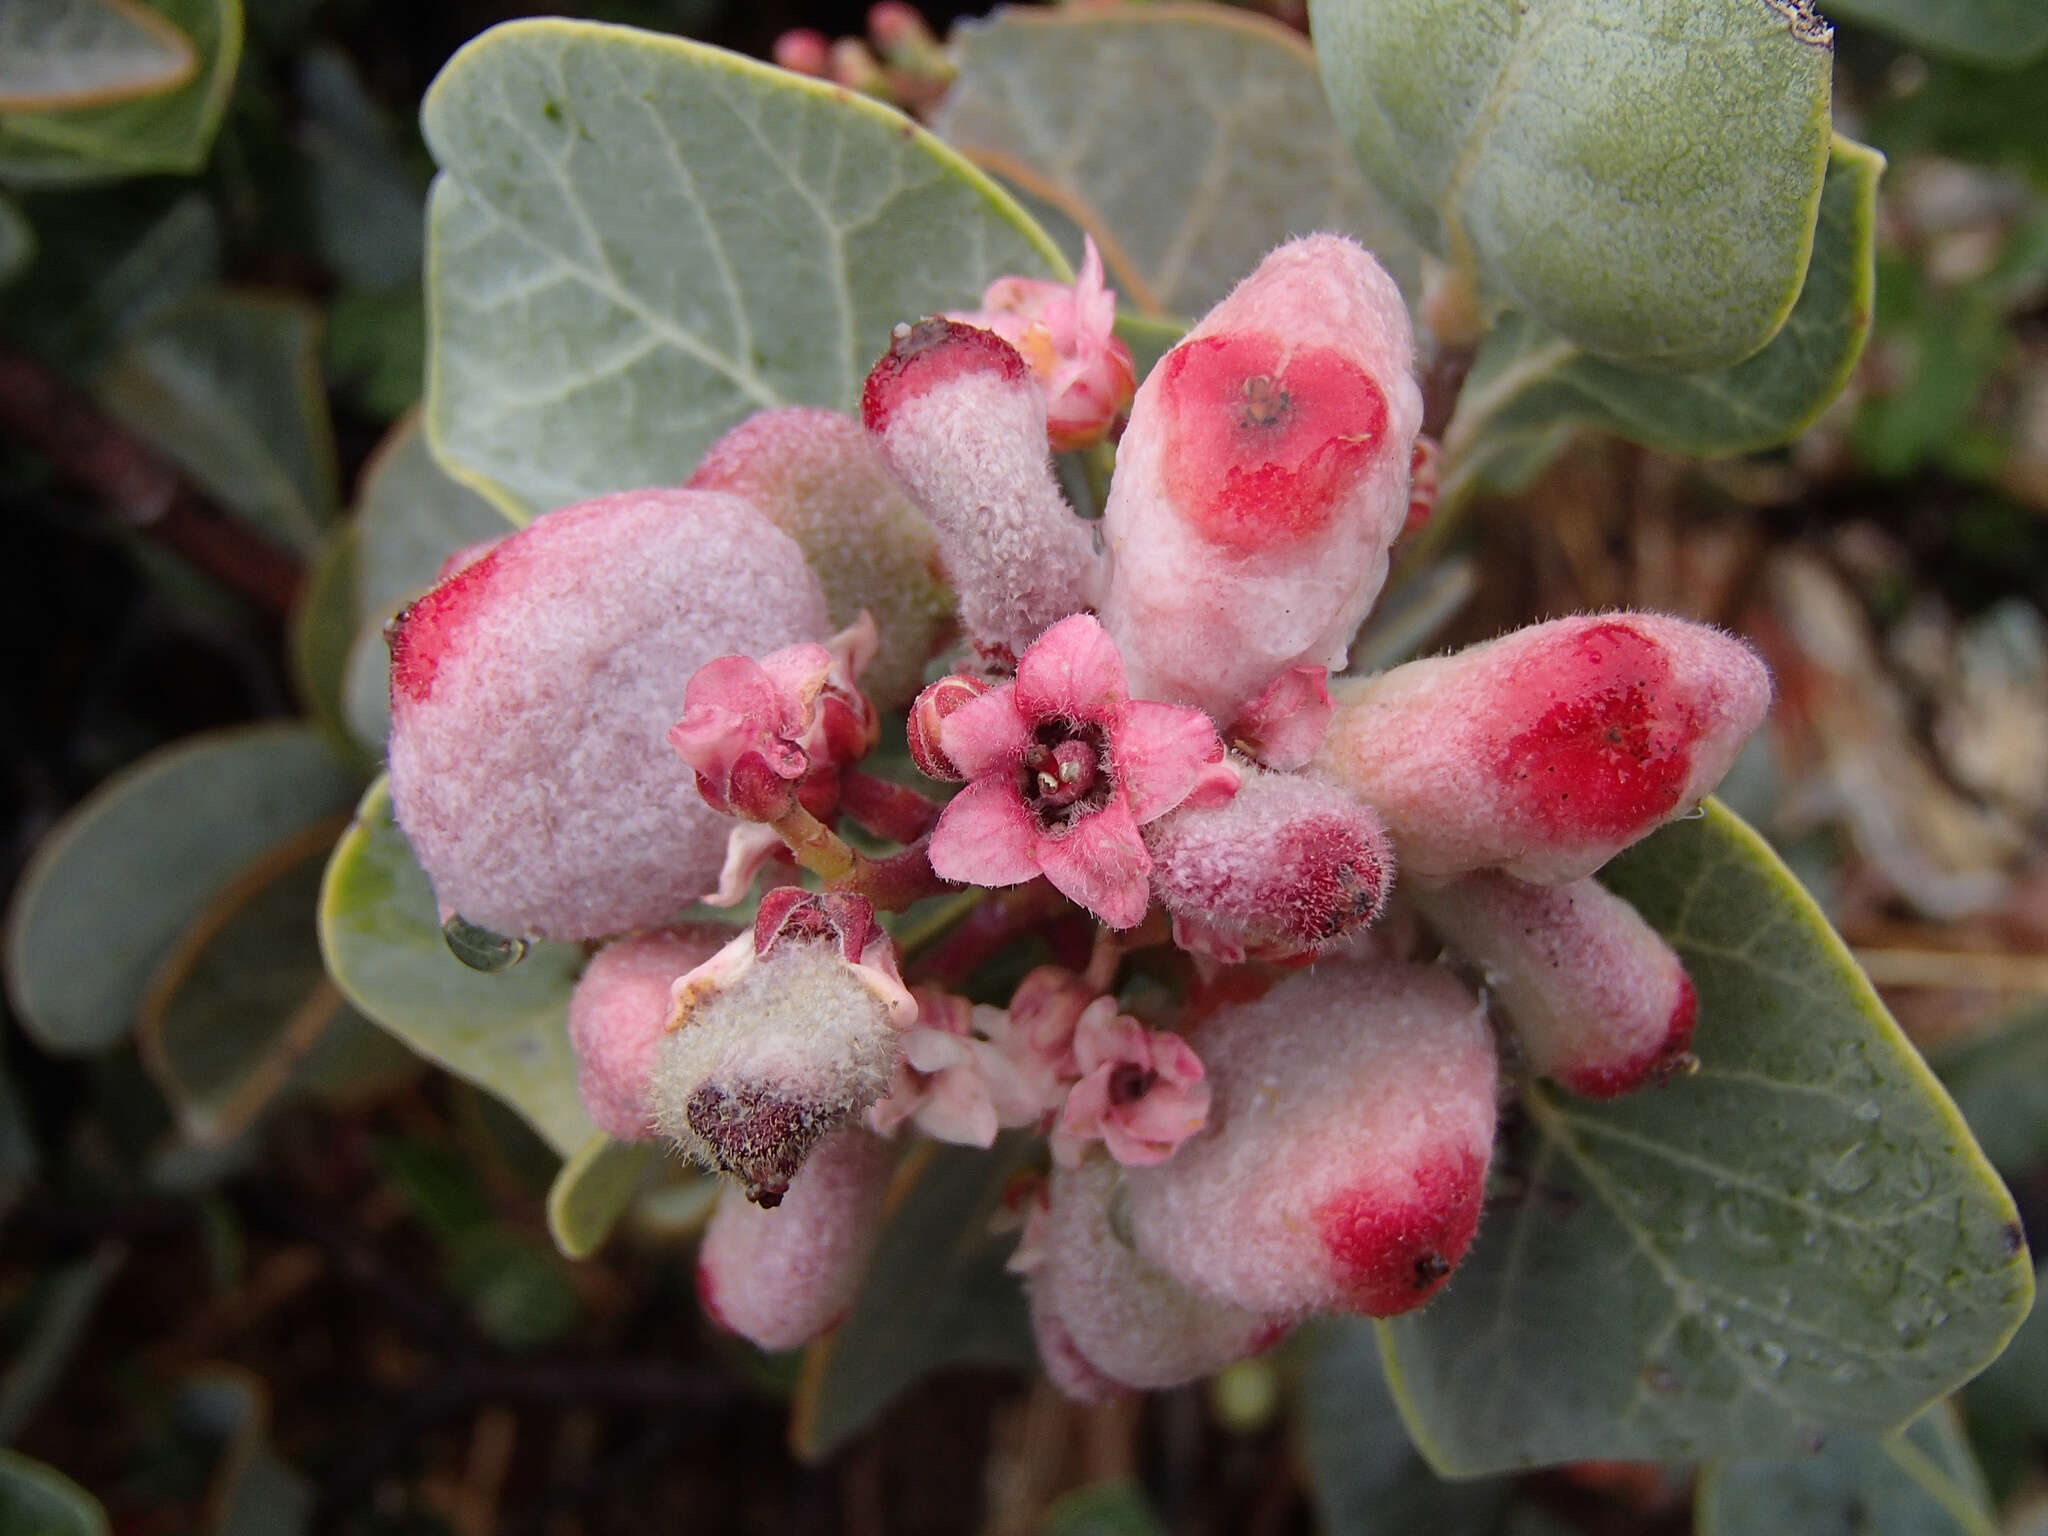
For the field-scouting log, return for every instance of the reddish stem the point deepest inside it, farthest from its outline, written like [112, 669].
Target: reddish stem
[1004, 917]
[136, 485]
[895, 881]
[894, 811]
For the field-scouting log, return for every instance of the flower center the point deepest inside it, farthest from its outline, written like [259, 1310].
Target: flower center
[1065, 772]
[1129, 1082]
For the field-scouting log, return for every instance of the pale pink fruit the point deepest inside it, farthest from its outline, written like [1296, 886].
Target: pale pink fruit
[781, 1276]
[962, 424]
[783, 1036]
[530, 694]
[1127, 1319]
[1345, 1162]
[1597, 999]
[818, 477]
[1548, 751]
[1063, 768]
[1261, 480]
[616, 1017]
[1289, 865]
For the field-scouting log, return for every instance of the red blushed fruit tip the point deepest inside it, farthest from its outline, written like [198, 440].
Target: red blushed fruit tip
[1612, 753]
[1334, 882]
[1260, 455]
[932, 352]
[1668, 1058]
[421, 633]
[1394, 1250]
[707, 1298]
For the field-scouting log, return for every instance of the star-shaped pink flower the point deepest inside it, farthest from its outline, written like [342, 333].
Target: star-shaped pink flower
[1142, 1092]
[1064, 767]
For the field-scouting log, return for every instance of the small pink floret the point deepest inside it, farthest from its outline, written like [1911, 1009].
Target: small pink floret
[1064, 767]
[1141, 1092]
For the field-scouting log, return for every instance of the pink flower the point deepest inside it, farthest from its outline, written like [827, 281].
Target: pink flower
[1067, 334]
[1141, 1091]
[964, 1075]
[1064, 767]
[763, 735]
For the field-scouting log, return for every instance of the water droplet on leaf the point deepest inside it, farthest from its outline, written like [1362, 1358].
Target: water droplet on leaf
[479, 948]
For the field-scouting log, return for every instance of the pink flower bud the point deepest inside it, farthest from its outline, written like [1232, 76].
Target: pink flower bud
[1046, 1010]
[818, 477]
[531, 690]
[1262, 478]
[781, 1276]
[962, 424]
[616, 1018]
[1598, 1000]
[1288, 866]
[1547, 752]
[1125, 1318]
[1064, 767]
[783, 1036]
[802, 50]
[1067, 334]
[1345, 1164]
[928, 713]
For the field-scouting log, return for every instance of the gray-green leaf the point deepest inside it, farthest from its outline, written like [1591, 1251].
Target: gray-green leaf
[229, 385]
[1642, 180]
[592, 1190]
[40, 1499]
[2001, 33]
[508, 1033]
[60, 54]
[171, 131]
[637, 241]
[118, 880]
[1226, 149]
[1921, 1481]
[935, 1294]
[1800, 1239]
[1528, 380]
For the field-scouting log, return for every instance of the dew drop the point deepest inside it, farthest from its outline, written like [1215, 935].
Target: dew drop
[1773, 1355]
[1868, 1112]
[1846, 1172]
[479, 948]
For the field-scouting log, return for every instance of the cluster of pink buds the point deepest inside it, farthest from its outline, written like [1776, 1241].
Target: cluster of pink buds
[638, 703]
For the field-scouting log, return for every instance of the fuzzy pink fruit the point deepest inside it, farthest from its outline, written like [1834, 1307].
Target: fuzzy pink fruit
[616, 1017]
[1548, 751]
[1345, 1163]
[962, 424]
[817, 476]
[532, 690]
[1598, 1000]
[1261, 480]
[1126, 1318]
[780, 1277]
[779, 1039]
[1289, 865]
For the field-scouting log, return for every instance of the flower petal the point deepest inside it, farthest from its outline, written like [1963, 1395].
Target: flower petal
[1072, 670]
[1101, 863]
[985, 734]
[1162, 753]
[985, 836]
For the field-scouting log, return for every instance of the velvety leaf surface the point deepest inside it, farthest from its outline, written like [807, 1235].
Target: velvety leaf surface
[1642, 181]
[39, 1498]
[2003, 33]
[592, 1190]
[1527, 379]
[166, 837]
[508, 1033]
[77, 53]
[1228, 149]
[242, 997]
[168, 132]
[1364, 1470]
[637, 241]
[1921, 1481]
[1798, 1240]
[229, 385]
[935, 1294]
